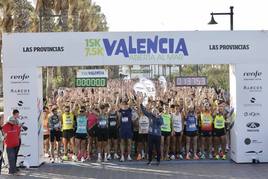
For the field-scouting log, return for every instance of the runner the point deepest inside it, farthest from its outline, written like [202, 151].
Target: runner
[191, 132]
[46, 130]
[81, 134]
[177, 117]
[113, 133]
[55, 133]
[206, 127]
[92, 129]
[143, 135]
[135, 122]
[125, 130]
[219, 132]
[68, 122]
[165, 133]
[102, 133]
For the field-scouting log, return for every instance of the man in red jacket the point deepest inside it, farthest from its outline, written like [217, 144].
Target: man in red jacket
[12, 136]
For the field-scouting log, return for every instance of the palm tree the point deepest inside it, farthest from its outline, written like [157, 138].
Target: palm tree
[45, 9]
[22, 12]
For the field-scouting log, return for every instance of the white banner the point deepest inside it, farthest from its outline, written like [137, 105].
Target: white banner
[23, 53]
[128, 48]
[249, 135]
[21, 92]
[95, 73]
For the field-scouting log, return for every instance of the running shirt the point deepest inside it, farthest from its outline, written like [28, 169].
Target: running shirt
[112, 120]
[219, 122]
[206, 122]
[143, 125]
[92, 120]
[103, 122]
[81, 125]
[126, 119]
[54, 122]
[67, 121]
[191, 122]
[166, 127]
[177, 122]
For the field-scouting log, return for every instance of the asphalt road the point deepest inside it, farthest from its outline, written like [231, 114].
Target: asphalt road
[139, 170]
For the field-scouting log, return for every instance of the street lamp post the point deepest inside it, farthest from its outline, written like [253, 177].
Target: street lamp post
[231, 14]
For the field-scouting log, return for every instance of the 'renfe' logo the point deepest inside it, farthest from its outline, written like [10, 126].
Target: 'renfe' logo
[252, 75]
[19, 78]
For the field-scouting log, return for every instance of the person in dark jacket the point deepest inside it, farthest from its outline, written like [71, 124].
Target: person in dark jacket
[154, 137]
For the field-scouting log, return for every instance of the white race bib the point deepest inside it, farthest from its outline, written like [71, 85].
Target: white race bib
[124, 119]
[113, 123]
[68, 121]
[103, 123]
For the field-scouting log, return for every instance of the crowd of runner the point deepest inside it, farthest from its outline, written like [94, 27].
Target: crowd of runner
[102, 124]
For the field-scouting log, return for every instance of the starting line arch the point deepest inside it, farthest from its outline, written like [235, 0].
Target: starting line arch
[245, 51]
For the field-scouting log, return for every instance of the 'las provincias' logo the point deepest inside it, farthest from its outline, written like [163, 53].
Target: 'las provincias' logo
[138, 47]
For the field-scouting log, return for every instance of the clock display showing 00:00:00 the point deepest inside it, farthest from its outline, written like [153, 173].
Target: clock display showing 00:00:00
[91, 82]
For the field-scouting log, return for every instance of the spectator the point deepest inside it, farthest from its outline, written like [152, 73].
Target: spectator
[12, 139]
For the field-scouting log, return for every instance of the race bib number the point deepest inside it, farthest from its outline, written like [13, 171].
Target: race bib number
[103, 123]
[68, 121]
[177, 126]
[113, 123]
[125, 119]
[192, 126]
[57, 125]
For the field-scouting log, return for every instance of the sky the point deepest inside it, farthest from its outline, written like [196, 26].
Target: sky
[179, 15]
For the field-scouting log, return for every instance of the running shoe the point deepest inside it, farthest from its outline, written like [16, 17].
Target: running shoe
[83, 159]
[180, 157]
[172, 157]
[217, 157]
[210, 156]
[46, 155]
[223, 157]
[99, 159]
[122, 159]
[52, 160]
[116, 156]
[74, 158]
[196, 157]
[188, 157]
[65, 158]
[149, 163]
[129, 158]
[202, 156]
[88, 158]
[109, 157]
[105, 159]
[139, 157]
[143, 155]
